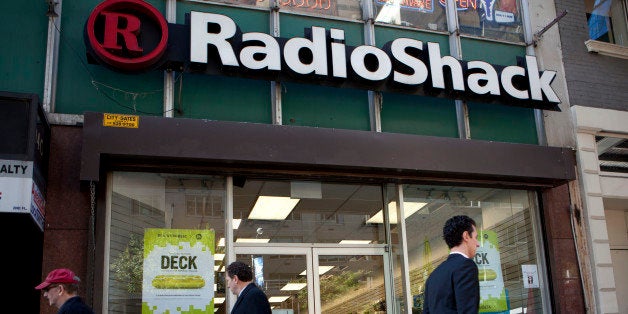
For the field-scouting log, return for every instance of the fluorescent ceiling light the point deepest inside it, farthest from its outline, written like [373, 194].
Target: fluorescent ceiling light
[236, 223]
[294, 286]
[251, 240]
[216, 267]
[219, 257]
[321, 270]
[219, 300]
[272, 207]
[409, 208]
[355, 242]
[278, 299]
[221, 242]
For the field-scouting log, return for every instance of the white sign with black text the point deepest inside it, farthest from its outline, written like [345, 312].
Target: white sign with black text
[530, 276]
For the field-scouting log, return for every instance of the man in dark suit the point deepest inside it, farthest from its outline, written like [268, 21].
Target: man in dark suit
[251, 300]
[454, 286]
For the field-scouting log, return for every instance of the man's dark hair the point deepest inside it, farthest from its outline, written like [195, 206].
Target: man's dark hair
[455, 227]
[243, 271]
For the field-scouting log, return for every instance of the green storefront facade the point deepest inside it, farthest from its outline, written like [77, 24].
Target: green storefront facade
[343, 153]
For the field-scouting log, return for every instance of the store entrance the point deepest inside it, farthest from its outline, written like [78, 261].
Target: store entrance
[321, 278]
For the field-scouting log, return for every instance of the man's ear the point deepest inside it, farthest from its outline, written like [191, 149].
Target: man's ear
[465, 235]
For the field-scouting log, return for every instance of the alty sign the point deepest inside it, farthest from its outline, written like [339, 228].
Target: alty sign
[213, 43]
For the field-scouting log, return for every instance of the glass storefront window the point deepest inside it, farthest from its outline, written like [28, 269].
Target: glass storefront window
[304, 238]
[140, 201]
[511, 272]
[307, 212]
[348, 9]
[607, 22]
[254, 3]
[421, 14]
[495, 19]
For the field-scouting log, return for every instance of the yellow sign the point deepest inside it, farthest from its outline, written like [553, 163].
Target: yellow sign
[121, 121]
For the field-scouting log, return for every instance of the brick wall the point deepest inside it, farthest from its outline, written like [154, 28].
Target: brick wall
[593, 80]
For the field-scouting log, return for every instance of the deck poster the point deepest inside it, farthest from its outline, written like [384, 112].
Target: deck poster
[178, 271]
[493, 298]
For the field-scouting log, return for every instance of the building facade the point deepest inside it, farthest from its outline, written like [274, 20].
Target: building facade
[593, 43]
[296, 135]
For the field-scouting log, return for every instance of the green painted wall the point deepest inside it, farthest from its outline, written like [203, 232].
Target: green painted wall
[322, 106]
[498, 122]
[490, 51]
[23, 46]
[293, 26]
[327, 107]
[412, 114]
[419, 115]
[385, 34]
[87, 87]
[222, 97]
[502, 123]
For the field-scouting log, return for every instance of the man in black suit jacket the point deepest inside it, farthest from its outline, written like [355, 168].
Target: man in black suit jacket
[454, 286]
[251, 300]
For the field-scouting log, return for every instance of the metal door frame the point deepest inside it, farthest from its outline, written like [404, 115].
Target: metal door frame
[312, 251]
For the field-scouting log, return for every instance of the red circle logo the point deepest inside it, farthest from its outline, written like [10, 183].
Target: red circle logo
[127, 34]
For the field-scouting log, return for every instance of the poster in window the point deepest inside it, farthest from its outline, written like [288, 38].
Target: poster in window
[530, 275]
[178, 271]
[493, 298]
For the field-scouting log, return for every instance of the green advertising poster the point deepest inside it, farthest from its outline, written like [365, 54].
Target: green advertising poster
[493, 298]
[178, 271]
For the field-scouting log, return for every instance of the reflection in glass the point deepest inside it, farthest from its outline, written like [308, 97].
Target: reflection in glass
[505, 228]
[349, 9]
[422, 14]
[344, 9]
[607, 21]
[310, 212]
[354, 285]
[153, 200]
[281, 279]
[496, 19]
[256, 3]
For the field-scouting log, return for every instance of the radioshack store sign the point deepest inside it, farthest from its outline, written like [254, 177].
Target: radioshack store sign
[213, 43]
[18, 191]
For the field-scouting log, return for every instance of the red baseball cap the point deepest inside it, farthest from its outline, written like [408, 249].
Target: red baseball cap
[61, 275]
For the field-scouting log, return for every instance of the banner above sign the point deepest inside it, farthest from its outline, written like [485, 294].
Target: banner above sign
[213, 44]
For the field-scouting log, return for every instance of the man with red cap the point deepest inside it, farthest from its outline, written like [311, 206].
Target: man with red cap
[61, 288]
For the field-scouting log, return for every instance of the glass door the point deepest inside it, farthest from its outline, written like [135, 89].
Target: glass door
[351, 280]
[282, 273]
[321, 279]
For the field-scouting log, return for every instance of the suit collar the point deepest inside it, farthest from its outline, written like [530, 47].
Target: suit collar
[460, 253]
[244, 291]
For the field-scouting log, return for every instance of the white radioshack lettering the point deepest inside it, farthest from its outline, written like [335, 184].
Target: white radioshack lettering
[405, 62]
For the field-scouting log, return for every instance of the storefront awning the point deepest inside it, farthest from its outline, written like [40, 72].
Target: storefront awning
[177, 144]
